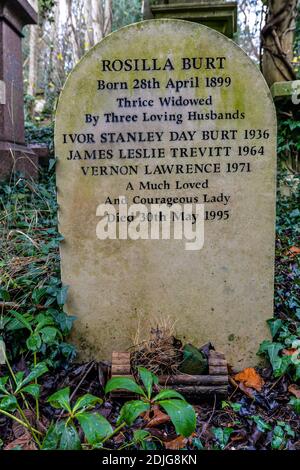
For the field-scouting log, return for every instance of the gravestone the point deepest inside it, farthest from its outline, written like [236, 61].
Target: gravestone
[14, 154]
[171, 113]
[219, 15]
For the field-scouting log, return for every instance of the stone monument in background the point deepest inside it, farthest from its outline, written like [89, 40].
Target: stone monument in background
[219, 15]
[14, 154]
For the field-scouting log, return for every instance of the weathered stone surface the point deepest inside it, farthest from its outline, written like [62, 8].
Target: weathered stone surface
[222, 293]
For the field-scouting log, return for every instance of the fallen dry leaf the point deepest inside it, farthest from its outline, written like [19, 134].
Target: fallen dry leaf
[120, 438]
[237, 437]
[293, 251]
[247, 390]
[24, 442]
[295, 390]
[177, 444]
[156, 417]
[250, 378]
[289, 352]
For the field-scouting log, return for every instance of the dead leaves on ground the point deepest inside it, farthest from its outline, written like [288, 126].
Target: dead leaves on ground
[155, 417]
[24, 442]
[289, 352]
[293, 251]
[250, 378]
[295, 390]
[23, 438]
[176, 444]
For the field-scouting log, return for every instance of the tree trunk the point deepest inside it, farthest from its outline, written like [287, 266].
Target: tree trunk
[277, 41]
[89, 36]
[33, 55]
[97, 20]
[74, 34]
[107, 17]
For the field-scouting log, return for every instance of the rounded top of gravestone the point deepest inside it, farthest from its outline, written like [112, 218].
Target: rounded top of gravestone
[172, 37]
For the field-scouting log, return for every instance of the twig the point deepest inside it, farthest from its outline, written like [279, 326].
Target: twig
[234, 383]
[274, 384]
[82, 380]
[236, 387]
[8, 305]
[211, 416]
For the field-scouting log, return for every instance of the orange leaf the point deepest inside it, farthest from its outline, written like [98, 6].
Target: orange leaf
[289, 352]
[177, 444]
[250, 378]
[295, 390]
[293, 251]
[156, 417]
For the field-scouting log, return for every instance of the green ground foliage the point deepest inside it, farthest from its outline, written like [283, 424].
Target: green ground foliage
[30, 273]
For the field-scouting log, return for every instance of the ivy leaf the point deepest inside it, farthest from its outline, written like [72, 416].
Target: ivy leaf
[279, 364]
[295, 402]
[261, 424]
[34, 342]
[61, 296]
[182, 415]
[61, 399]
[264, 346]
[52, 163]
[123, 383]
[43, 320]
[38, 294]
[49, 334]
[274, 326]
[278, 438]
[222, 435]
[95, 427]
[131, 410]
[297, 373]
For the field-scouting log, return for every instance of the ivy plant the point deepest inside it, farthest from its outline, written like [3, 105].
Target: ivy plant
[283, 340]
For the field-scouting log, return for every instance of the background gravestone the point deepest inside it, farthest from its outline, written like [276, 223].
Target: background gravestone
[222, 293]
[14, 154]
[219, 15]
